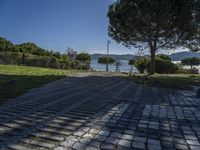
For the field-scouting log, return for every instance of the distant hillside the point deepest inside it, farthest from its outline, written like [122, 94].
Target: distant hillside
[116, 57]
[175, 57]
[181, 55]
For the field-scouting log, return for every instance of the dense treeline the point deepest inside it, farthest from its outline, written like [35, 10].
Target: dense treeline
[31, 48]
[32, 55]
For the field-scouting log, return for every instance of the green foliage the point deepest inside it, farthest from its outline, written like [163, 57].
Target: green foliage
[11, 57]
[84, 59]
[191, 61]
[194, 71]
[5, 45]
[32, 55]
[142, 64]
[37, 61]
[154, 24]
[131, 62]
[162, 65]
[104, 60]
[165, 66]
[30, 48]
[179, 81]
[163, 56]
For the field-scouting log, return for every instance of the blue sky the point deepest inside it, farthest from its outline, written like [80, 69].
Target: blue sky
[58, 24]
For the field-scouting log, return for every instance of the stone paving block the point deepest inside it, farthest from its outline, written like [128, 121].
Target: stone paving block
[127, 137]
[79, 146]
[60, 148]
[153, 142]
[181, 147]
[88, 135]
[100, 138]
[124, 143]
[18, 147]
[153, 147]
[112, 140]
[168, 145]
[85, 140]
[138, 145]
[91, 148]
[96, 144]
[78, 133]
[108, 146]
[42, 144]
[192, 142]
[104, 133]
[194, 147]
[116, 135]
[190, 137]
[67, 143]
[72, 138]
[167, 138]
[94, 131]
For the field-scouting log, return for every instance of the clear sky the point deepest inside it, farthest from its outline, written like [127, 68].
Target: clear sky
[58, 24]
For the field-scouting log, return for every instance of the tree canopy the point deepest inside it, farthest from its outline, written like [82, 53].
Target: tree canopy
[28, 47]
[164, 57]
[83, 57]
[154, 24]
[191, 61]
[131, 62]
[104, 60]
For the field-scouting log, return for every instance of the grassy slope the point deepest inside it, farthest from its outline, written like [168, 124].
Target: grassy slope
[178, 81]
[15, 80]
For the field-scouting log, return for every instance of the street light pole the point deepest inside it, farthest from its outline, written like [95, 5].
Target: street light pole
[108, 42]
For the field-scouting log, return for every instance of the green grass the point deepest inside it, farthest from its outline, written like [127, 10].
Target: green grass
[16, 80]
[177, 81]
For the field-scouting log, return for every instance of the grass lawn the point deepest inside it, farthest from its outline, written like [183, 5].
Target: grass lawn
[177, 81]
[16, 80]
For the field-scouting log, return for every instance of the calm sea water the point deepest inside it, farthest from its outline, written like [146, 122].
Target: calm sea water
[123, 68]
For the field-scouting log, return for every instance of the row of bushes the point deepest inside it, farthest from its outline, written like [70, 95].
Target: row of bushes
[163, 65]
[38, 61]
[188, 71]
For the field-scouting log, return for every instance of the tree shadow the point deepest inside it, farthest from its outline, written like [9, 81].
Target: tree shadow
[72, 91]
[12, 86]
[82, 112]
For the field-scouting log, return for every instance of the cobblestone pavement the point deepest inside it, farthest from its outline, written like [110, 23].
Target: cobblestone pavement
[100, 113]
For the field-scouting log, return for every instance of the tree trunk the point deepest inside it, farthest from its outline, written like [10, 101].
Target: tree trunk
[153, 55]
[23, 58]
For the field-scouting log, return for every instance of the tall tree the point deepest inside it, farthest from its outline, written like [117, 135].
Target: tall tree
[84, 58]
[194, 44]
[153, 24]
[104, 60]
[5, 44]
[131, 62]
[117, 65]
[71, 53]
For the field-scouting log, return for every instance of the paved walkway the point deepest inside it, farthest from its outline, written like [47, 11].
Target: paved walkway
[100, 113]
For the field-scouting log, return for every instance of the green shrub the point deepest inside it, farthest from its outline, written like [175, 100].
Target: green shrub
[163, 56]
[39, 61]
[11, 57]
[165, 66]
[182, 71]
[64, 64]
[142, 64]
[193, 71]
